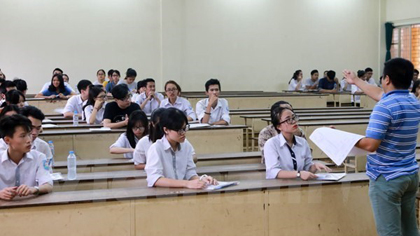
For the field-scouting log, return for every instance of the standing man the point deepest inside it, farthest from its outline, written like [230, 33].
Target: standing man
[392, 133]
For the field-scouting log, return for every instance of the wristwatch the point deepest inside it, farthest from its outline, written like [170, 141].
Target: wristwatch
[37, 190]
[298, 174]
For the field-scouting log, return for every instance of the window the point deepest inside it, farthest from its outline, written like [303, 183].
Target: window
[406, 43]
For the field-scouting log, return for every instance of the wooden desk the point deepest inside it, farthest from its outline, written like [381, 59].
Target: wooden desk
[47, 105]
[95, 144]
[254, 207]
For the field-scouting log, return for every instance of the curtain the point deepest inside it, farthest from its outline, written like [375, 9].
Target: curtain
[388, 39]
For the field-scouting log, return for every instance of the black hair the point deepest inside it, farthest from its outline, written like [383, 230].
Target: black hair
[276, 114]
[117, 72]
[148, 80]
[416, 71]
[295, 75]
[110, 72]
[274, 106]
[331, 74]
[174, 83]
[7, 108]
[9, 84]
[21, 85]
[9, 124]
[416, 84]
[68, 78]
[314, 71]
[360, 73]
[130, 73]
[94, 91]
[61, 87]
[400, 72]
[154, 131]
[368, 69]
[135, 117]
[120, 91]
[103, 71]
[141, 84]
[58, 69]
[13, 97]
[32, 111]
[83, 84]
[212, 82]
[173, 119]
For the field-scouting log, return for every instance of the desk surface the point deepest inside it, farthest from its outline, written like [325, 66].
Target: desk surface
[144, 192]
[260, 116]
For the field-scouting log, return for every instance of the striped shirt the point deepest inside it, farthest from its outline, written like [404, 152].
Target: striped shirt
[394, 121]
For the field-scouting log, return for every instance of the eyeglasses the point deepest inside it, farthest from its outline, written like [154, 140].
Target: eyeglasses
[183, 131]
[102, 96]
[139, 128]
[172, 90]
[291, 120]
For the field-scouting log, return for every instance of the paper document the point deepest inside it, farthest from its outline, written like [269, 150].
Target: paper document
[49, 125]
[56, 176]
[47, 121]
[59, 110]
[330, 176]
[100, 129]
[337, 144]
[193, 126]
[222, 185]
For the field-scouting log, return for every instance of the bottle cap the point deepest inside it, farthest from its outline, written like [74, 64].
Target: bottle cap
[50, 141]
[75, 112]
[71, 152]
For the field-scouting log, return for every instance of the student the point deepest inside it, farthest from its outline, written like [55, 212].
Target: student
[9, 85]
[415, 78]
[312, 83]
[143, 145]
[57, 71]
[296, 82]
[173, 91]
[56, 89]
[76, 103]
[288, 156]
[271, 131]
[2, 76]
[116, 113]
[149, 100]
[109, 78]
[356, 91]
[93, 110]
[137, 127]
[170, 159]
[100, 78]
[391, 136]
[368, 75]
[130, 77]
[114, 81]
[344, 85]
[36, 117]
[9, 110]
[141, 88]
[21, 85]
[15, 97]
[416, 89]
[22, 169]
[329, 84]
[213, 110]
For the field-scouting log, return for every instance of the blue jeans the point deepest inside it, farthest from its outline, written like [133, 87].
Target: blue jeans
[393, 205]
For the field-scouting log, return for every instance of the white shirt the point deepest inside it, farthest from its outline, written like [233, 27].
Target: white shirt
[46, 85]
[278, 157]
[123, 142]
[97, 83]
[372, 81]
[162, 161]
[99, 114]
[354, 89]
[181, 104]
[309, 82]
[75, 103]
[220, 112]
[294, 83]
[344, 87]
[151, 105]
[131, 87]
[38, 145]
[139, 154]
[31, 170]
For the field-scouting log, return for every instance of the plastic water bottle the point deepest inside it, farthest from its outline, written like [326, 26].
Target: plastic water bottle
[75, 119]
[51, 160]
[71, 166]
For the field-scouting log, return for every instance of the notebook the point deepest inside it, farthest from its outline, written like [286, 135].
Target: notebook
[330, 176]
[222, 185]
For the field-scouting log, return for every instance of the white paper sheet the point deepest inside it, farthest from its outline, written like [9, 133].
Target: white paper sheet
[100, 129]
[49, 125]
[194, 126]
[330, 176]
[222, 185]
[59, 110]
[47, 121]
[337, 144]
[56, 176]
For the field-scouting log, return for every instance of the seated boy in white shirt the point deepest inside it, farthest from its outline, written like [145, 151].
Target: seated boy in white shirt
[213, 110]
[76, 102]
[149, 100]
[22, 170]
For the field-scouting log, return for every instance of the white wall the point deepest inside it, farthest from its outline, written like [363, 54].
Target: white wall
[247, 44]
[398, 10]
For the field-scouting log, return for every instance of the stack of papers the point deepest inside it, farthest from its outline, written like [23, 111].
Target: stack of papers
[222, 185]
